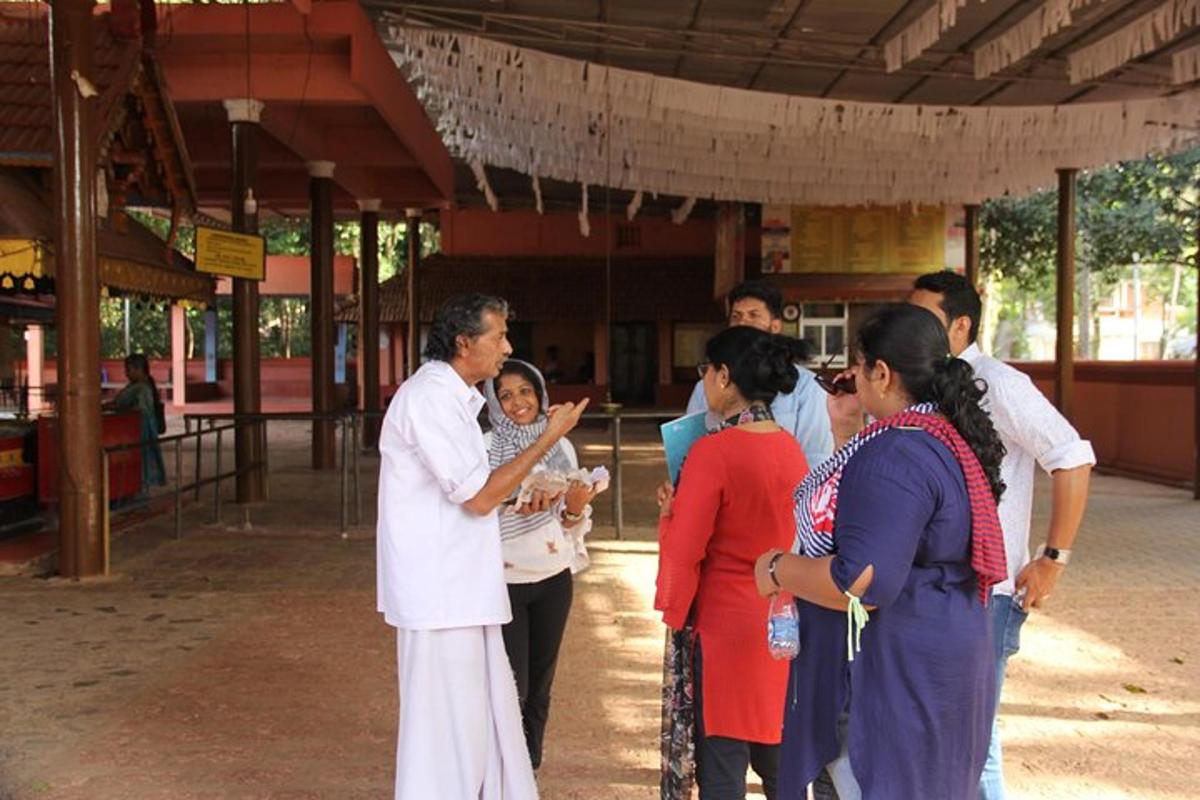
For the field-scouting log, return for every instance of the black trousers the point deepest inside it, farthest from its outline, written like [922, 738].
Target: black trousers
[721, 762]
[532, 640]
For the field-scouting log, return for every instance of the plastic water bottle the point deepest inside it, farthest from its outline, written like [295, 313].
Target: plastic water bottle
[783, 627]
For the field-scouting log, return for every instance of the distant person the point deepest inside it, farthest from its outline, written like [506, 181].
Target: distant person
[541, 551]
[440, 568]
[897, 547]
[801, 411]
[734, 500]
[141, 395]
[552, 371]
[587, 372]
[1034, 433]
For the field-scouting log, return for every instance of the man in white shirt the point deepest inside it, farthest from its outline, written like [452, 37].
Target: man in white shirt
[440, 570]
[1034, 433]
[801, 412]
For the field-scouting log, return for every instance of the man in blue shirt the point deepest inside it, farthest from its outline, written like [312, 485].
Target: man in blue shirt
[758, 304]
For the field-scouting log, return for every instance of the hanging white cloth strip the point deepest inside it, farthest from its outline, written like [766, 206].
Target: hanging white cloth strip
[537, 195]
[585, 224]
[1146, 33]
[1185, 65]
[1026, 36]
[533, 112]
[481, 183]
[635, 203]
[921, 34]
[680, 215]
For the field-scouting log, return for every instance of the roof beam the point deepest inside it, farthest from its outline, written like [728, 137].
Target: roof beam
[782, 32]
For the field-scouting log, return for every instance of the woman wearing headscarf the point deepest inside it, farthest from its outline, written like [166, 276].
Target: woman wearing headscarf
[733, 499]
[897, 547]
[542, 550]
[141, 395]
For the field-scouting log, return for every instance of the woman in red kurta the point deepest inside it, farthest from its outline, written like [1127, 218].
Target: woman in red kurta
[734, 498]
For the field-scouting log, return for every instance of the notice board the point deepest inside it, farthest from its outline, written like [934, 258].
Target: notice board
[238, 255]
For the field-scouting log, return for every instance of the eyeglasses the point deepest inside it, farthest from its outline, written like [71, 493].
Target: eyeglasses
[702, 368]
[844, 384]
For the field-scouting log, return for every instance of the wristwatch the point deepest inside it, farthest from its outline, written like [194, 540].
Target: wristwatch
[1060, 557]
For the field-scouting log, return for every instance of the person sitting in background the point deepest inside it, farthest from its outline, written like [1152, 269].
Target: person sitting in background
[897, 547]
[141, 395]
[799, 411]
[734, 499]
[542, 550]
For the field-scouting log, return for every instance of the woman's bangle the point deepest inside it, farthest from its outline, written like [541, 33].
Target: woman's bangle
[771, 569]
[570, 517]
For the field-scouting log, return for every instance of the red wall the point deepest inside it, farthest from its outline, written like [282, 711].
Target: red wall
[482, 232]
[1138, 415]
[292, 276]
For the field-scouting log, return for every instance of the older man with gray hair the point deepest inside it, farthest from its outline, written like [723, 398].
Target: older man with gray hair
[440, 570]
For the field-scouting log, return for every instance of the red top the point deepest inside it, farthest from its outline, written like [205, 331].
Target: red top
[734, 503]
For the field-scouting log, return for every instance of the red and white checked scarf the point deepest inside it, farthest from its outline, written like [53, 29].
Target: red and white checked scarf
[816, 497]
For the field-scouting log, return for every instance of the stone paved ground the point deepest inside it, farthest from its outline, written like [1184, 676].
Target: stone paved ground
[237, 664]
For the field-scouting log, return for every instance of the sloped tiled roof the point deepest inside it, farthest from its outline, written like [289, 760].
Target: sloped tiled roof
[568, 288]
[26, 101]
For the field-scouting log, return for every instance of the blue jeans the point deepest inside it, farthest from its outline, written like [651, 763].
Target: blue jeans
[1007, 619]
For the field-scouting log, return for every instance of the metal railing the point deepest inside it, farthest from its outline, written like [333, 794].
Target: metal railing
[349, 425]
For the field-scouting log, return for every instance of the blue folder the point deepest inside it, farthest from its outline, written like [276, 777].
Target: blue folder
[678, 436]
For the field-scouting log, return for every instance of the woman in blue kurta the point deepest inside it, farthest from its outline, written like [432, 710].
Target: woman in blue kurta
[897, 547]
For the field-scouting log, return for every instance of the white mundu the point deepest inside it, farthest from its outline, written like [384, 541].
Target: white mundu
[441, 584]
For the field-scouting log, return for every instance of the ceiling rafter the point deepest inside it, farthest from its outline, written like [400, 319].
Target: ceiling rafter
[871, 48]
[779, 37]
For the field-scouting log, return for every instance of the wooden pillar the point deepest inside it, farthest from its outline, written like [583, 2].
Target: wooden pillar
[665, 355]
[972, 244]
[1064, 350]
[178, 355]
[77, 281]
[324, 454]
[368, 317]
[412, 237]
[35, 368]
[244, 116]
[1196, 371]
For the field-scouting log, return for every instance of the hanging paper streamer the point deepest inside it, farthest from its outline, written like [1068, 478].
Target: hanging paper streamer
[1185, 65]
[585, 224]
[1146, 33]
[534, 112]
[635, 203]
[481, 183]
[1026, 36]
[680, 215]
[921, 34]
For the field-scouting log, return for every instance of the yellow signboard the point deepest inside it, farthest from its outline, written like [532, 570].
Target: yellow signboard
[828, 239]
[237, 255]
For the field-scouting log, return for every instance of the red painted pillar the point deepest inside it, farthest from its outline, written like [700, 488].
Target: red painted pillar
[178, 356]
[324, 451]
[368, 317]
[1064, 349]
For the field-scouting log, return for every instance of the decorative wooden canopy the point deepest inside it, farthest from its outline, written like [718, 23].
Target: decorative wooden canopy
[140, 152]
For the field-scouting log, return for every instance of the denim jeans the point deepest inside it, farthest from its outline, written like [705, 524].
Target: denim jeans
[1007, 619]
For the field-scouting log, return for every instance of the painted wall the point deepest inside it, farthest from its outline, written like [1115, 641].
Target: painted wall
[1138, 415]
[482, 232]
[292, 276]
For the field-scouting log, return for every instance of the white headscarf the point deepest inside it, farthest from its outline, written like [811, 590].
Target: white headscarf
[510, 439]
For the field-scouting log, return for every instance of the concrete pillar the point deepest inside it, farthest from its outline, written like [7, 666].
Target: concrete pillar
[324, 453]
[972, 244]
[412, 284]
[178, 356]
[244, 116]
[368, 317]
[82, 546]
[35, 368]
[1064, 349]
[210, 346]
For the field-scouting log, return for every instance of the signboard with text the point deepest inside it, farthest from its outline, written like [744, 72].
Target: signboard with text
[238, 255]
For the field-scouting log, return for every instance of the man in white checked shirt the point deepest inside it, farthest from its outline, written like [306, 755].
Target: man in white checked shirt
[1034, 434]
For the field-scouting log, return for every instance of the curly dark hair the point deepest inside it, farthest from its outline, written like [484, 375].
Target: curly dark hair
[461, 315]
[761, 365]
[914, 345]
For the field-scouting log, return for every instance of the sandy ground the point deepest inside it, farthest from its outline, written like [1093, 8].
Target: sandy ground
[232, 664]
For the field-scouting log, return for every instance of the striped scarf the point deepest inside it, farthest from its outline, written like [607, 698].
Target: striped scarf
[817, 495]
[509, 440]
